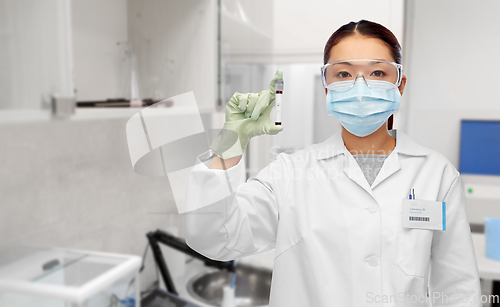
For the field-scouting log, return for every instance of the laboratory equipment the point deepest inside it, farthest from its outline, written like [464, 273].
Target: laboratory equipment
[479, 147]
[488, 269]
[161, 298]
[228, 297]
[160, 236]
[492, 233]
[39, 277]
[252, 285]
[279, 100]
[480, 169]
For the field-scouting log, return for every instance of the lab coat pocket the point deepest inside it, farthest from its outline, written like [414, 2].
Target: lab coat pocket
[414, 250]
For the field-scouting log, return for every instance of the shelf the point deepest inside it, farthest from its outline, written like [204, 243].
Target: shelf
[81, 114]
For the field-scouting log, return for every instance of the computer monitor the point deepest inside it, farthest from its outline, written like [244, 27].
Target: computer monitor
[480, 147]
[479, 166]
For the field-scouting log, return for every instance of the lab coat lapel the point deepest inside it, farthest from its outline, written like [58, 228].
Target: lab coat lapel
[390, 166]
[391, 163]
[353, 171]
[404, 146]
[335, 146]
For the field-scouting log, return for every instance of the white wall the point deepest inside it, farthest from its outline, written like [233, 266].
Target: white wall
[247, 30]
[452, 49]
[301, 28]
[70, 184]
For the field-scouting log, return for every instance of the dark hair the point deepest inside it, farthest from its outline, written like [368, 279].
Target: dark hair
[368, 29]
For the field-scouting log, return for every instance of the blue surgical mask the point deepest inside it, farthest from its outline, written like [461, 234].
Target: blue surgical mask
[362, 109]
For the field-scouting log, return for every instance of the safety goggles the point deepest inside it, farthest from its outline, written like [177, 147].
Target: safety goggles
[342, 75]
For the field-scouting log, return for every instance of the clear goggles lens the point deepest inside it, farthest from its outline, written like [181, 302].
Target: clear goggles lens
[371, 70]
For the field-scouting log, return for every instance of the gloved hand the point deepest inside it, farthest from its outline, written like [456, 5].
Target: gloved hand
[247, 115]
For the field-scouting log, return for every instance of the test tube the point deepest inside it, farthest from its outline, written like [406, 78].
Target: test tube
[278, 86]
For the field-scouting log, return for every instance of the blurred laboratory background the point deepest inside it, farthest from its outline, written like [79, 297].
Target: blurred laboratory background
[72, 73]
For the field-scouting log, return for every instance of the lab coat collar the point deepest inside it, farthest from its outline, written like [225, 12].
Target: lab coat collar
[335, 145]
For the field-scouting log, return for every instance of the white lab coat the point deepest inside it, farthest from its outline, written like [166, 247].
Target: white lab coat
[338, 241]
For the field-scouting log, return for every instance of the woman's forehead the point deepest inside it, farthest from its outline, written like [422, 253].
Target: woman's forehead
[359, 47]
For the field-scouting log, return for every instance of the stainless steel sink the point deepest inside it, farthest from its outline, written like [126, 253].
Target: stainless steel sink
[252, 286]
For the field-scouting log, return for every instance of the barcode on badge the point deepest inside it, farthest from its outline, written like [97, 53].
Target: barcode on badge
[419, 218]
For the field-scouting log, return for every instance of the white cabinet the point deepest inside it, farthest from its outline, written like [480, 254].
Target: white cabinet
[35, 52]
[179, 46]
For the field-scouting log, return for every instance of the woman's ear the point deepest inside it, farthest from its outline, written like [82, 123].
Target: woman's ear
[402, 85]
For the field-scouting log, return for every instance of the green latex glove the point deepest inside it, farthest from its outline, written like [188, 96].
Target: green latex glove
[247, 115]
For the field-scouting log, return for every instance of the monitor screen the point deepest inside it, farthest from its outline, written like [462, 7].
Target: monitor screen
[480, 147]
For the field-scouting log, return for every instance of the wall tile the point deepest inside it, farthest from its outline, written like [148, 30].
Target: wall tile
[71, 184]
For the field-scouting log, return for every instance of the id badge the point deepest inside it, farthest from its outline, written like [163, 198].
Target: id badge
[424, 214]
